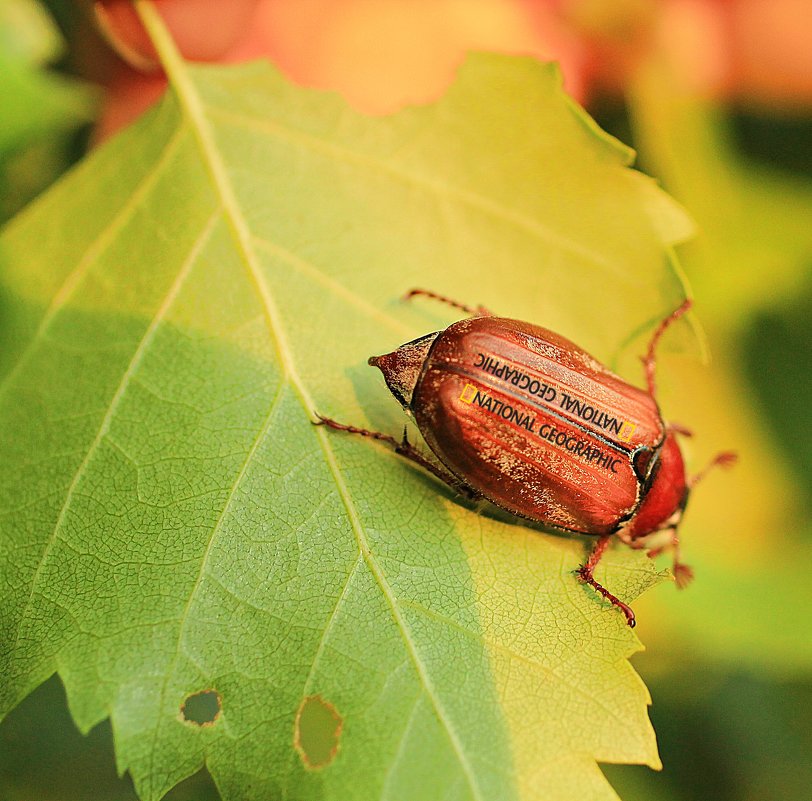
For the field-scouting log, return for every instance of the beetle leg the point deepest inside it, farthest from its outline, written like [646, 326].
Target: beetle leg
[650, 360]
[724, 459]
[681, 430]
[663, 538]
[475, 311]
[635, 543]
[403, 448]
[683, 574]
[330, 423]
[586, 571]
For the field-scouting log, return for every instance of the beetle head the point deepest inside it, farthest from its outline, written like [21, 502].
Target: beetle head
[402, 367]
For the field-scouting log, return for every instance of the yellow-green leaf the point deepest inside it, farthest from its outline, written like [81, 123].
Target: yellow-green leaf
[173, 525]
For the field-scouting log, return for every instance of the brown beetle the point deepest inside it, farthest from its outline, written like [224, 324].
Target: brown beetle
[527, 420]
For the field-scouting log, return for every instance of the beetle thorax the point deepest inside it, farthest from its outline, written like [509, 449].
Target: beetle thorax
[665, 498]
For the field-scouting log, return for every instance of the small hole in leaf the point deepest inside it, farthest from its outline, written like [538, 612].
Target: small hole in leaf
[317, 732]
[201, 708]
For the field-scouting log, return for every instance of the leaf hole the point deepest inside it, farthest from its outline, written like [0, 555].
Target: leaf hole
[201, 709]
[317, 732]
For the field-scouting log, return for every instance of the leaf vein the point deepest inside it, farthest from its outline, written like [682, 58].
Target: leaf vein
[138, 355]
[514, 655]
[407, 730]
[94, 250]
[191, 103]
[306, 268]
[512, 217]
[260, 437]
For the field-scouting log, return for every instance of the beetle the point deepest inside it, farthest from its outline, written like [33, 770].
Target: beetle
[519, 416]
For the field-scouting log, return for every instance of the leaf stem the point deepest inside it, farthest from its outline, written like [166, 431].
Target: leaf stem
[168, 53]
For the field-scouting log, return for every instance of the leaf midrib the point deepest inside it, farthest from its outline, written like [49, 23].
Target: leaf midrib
[192, 108]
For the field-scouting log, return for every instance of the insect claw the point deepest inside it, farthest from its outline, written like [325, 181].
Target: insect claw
[727, 459]
[681, 430]
[683, 575]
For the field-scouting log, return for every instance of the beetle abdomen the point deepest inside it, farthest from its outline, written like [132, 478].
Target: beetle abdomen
[535, 424]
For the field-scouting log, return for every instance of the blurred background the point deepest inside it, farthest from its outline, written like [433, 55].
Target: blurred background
[716, 97]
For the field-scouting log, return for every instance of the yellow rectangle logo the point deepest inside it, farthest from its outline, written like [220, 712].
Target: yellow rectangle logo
[468, 393]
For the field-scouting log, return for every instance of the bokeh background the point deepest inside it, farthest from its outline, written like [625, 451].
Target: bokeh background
[716, 96]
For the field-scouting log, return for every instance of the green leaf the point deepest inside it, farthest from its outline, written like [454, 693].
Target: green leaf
[178, 307]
